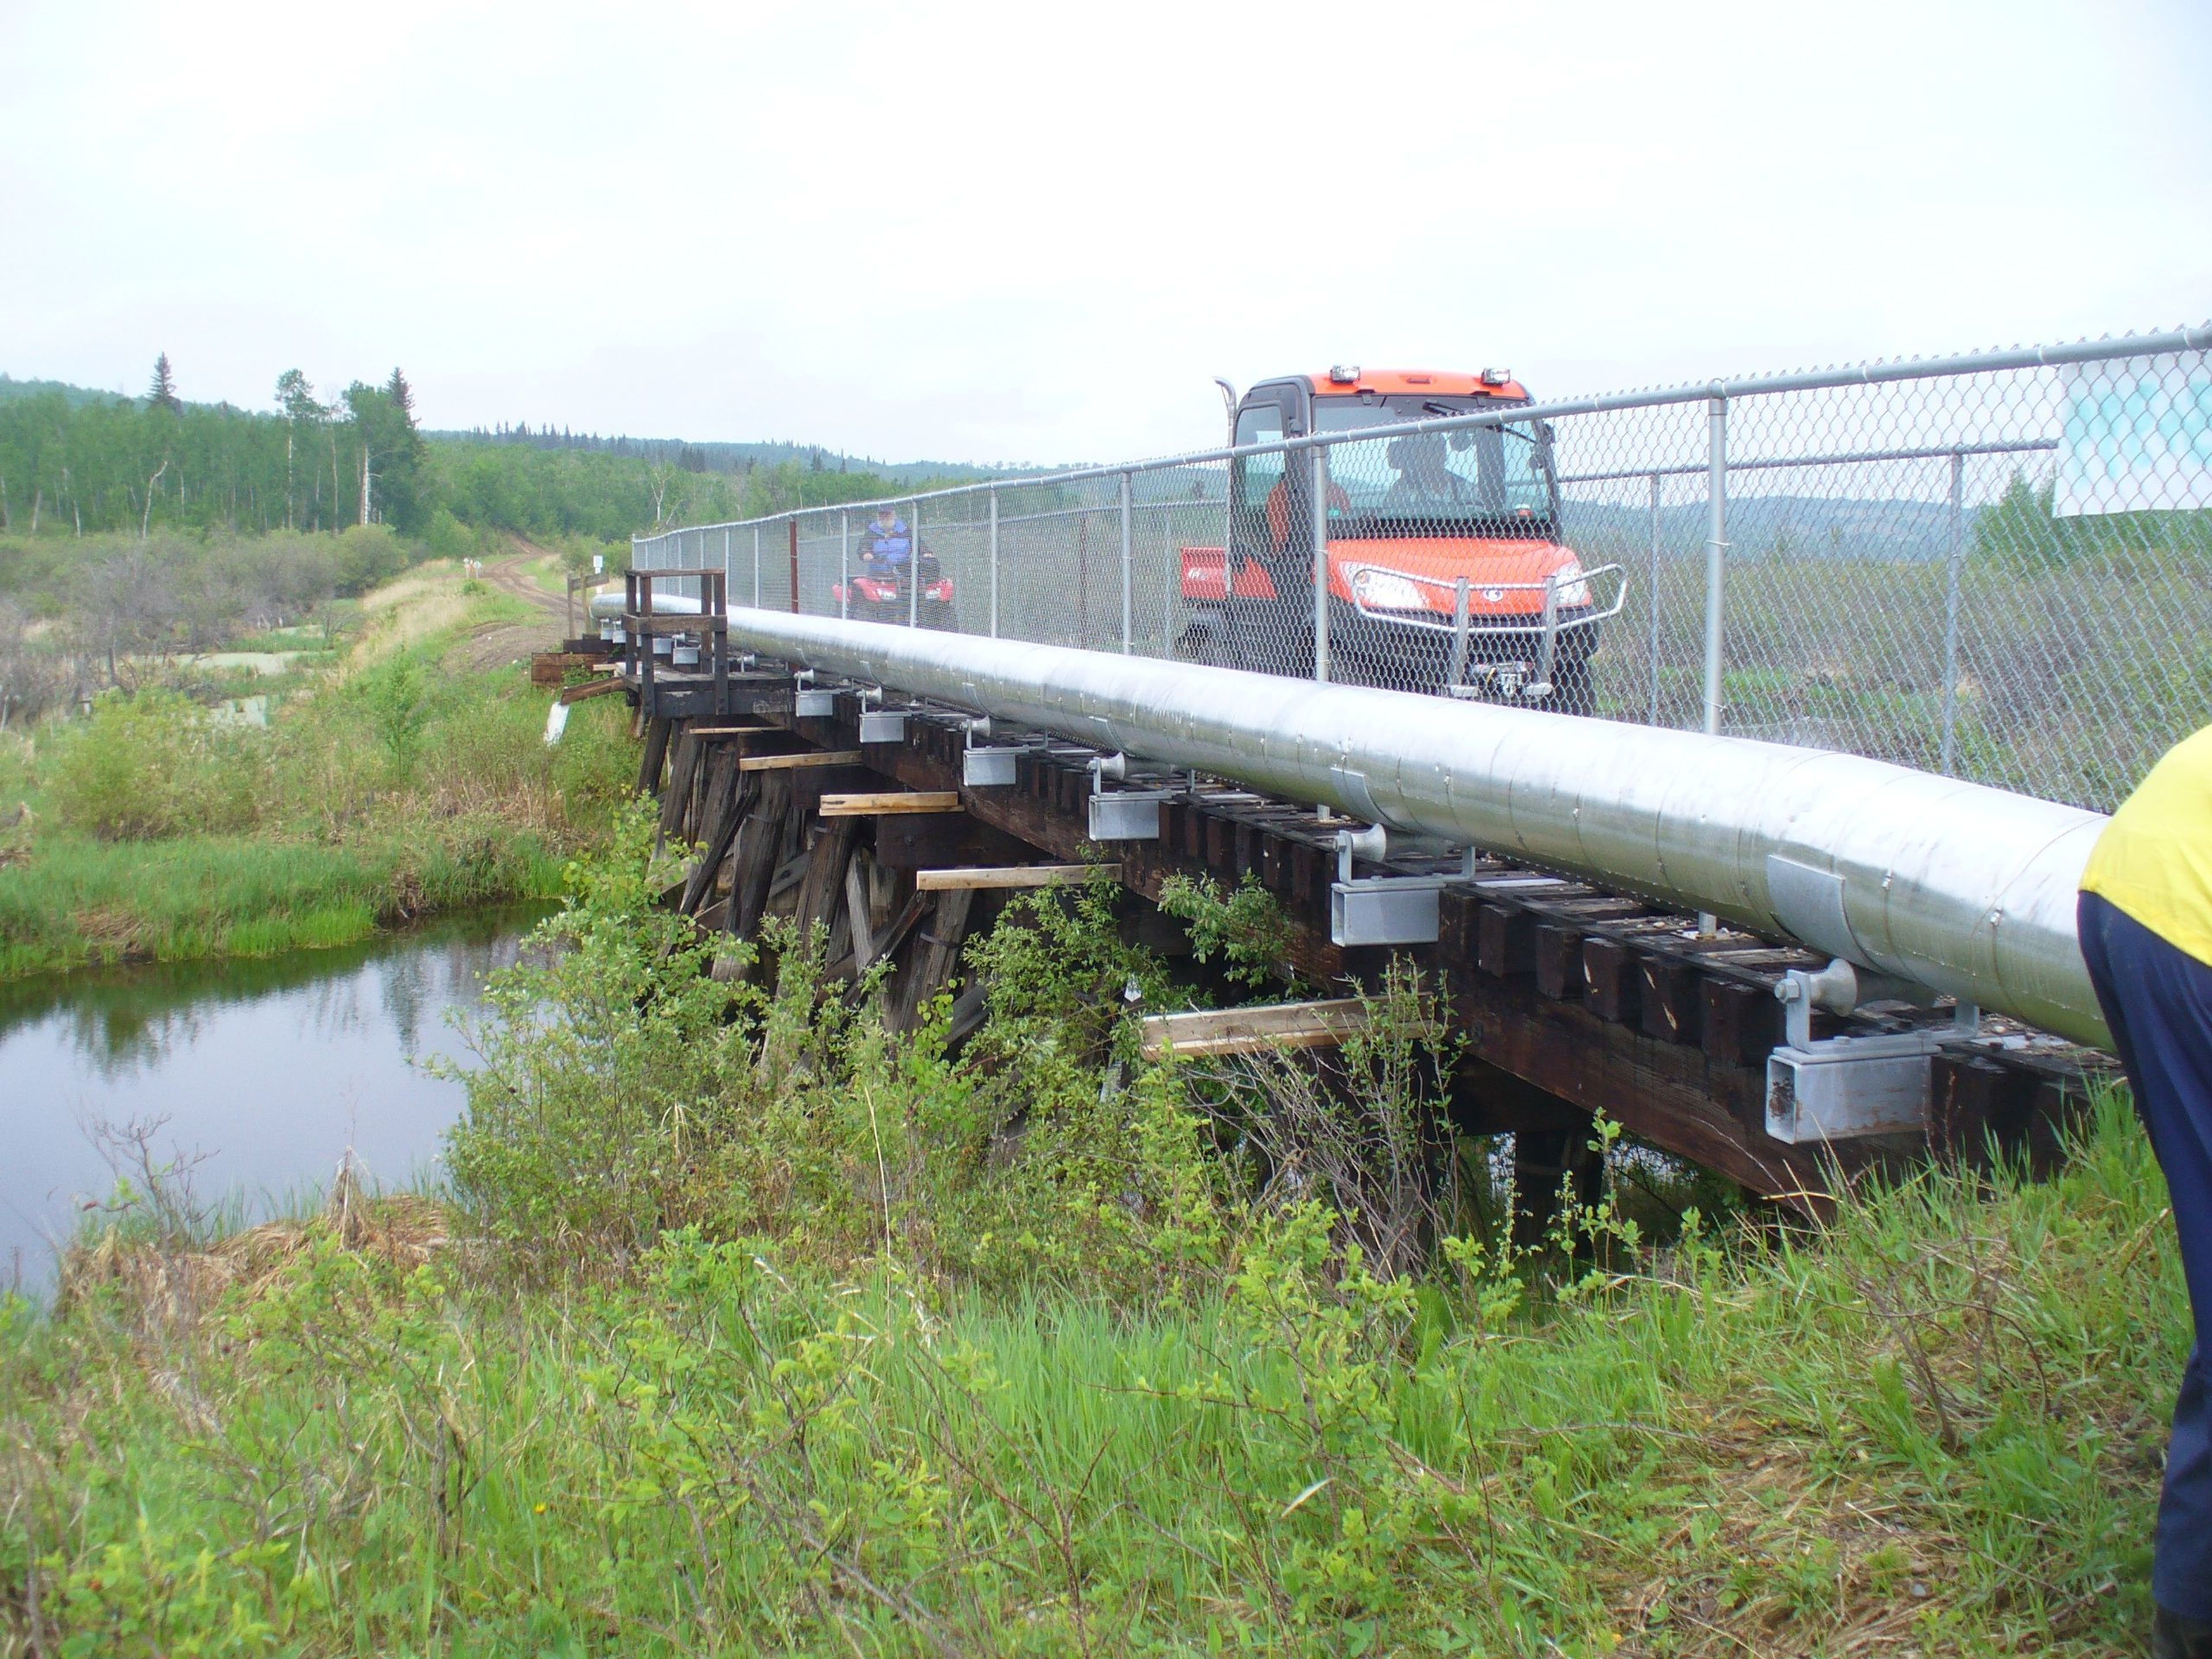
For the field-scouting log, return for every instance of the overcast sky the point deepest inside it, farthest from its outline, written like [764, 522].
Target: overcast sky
[1035, 233]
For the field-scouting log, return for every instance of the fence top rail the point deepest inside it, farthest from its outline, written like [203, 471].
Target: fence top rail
[2159, 344]
[1833, 458]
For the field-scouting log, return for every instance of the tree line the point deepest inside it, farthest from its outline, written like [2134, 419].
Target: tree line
[133, 465]
[75, 463]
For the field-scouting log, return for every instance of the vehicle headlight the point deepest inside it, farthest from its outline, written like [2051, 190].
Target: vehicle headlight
[1573, 590]
[1386, 590]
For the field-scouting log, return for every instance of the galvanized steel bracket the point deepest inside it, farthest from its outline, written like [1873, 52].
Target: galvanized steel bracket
[987, 767]
[1837, 1088]
[1385, 909]
[1122, 814]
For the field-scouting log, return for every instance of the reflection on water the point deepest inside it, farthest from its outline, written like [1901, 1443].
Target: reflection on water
[267, 1069]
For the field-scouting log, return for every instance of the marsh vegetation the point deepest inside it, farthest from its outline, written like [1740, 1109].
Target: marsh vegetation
[745, 1326]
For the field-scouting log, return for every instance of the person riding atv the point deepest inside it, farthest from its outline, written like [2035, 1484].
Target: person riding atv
[891, 555]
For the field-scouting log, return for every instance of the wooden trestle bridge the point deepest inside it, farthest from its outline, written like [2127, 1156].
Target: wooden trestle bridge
[1571, 999]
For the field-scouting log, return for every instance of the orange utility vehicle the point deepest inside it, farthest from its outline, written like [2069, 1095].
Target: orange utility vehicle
[1446, 571]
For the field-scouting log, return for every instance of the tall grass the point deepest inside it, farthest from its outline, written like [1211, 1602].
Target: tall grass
[747, 1330]
[81, 900]
[1934, 1426]
[400, 786]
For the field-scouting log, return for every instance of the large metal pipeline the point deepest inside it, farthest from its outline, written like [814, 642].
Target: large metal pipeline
[1956, 886]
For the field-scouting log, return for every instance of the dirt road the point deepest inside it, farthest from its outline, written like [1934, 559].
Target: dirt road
[499, 643]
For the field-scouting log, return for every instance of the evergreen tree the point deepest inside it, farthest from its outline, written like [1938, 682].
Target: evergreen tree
[385, 428]
[162, 394]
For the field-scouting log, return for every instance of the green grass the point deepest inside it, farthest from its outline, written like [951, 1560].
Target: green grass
[81, 900]
[2075, 670]
[743, 1328]
[408, 787]
[1935, 1428]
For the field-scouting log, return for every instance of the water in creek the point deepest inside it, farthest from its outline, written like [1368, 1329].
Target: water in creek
[265, 1071]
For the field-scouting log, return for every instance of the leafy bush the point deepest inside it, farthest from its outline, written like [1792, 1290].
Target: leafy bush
[448, 537]
[154, 765]
[624, 1091]
[398, 696]
[1247, 928]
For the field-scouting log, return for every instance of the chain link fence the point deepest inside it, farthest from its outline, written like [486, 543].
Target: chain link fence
[1997, 567]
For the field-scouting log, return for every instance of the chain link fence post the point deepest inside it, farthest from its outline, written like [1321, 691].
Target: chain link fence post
[1128, 573]
[844, 563]
[1954, 558]
[1715, 548]
[914, 563]
[1320, 562]
[1653, 717]
[757, 567]
[994, 564]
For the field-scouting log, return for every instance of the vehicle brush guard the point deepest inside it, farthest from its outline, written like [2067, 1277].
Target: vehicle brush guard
[1463, 629]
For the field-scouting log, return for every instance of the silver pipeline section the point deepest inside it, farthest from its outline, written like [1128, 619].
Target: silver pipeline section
[1954, 886]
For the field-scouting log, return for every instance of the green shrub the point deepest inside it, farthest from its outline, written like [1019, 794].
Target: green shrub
[448, 537]
[399, 695]
[368, 554]
[624, 1090]
[1247, 928]
[153, 765]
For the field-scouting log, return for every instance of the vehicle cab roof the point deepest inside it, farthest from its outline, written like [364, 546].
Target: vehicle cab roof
[1414, 383]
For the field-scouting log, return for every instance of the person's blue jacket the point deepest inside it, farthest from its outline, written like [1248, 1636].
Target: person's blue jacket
[889, 545]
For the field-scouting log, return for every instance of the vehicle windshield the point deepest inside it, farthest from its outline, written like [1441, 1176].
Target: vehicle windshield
[1484, 481]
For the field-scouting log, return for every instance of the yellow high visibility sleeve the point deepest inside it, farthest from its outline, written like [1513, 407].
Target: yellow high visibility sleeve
[2154, 859]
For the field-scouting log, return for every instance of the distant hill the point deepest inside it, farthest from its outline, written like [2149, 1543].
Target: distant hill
[1805, 527]
[730, 458]
[77, 396]
[692, 456]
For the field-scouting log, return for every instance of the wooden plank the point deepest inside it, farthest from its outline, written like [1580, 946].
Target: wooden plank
[1743, 1022]
[760, 839]
[656, 751]
[792, 763]
[575, 694]
[676, 799]
[911, 912]
[823, 887]
[1010, 875]
[1674, 1003]
[1557, 951]
[856, 913]
[1254, 1030]
[905, 801]
[727, 811]
[1612, 979]
[1506, 941]
[548, 668]
[733, 731]
[937, 950]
